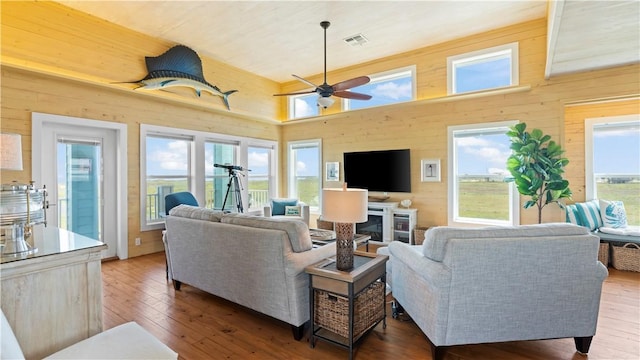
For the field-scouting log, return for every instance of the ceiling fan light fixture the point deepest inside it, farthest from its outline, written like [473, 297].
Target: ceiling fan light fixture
[325, 102]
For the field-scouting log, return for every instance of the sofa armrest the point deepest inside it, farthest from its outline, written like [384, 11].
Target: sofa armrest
[433, 272]
[304, 212]
[296, 262]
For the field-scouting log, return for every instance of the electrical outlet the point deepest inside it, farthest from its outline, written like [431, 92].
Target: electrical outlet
[137, 241]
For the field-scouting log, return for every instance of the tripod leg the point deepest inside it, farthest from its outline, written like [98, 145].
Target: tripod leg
[224, 203]
[238, 195]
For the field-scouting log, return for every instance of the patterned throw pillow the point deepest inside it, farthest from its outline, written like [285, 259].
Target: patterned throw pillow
[572, 215]
[292, 210]
[613, 214]
[589, 214]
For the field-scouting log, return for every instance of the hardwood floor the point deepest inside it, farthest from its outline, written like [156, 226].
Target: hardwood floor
[198, 325]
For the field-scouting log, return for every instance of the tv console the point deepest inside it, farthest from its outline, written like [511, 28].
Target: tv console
[387, 222]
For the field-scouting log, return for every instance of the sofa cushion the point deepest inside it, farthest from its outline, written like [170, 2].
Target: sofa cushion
[436, 238]
[613, 214]
[589, 213]
[625, 231]
[195, 212]
[278, 206]
[297, 230]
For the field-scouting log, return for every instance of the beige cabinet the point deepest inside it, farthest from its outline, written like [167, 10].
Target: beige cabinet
[53, 298]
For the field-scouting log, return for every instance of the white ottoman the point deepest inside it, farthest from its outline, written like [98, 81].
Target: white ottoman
[126, 341]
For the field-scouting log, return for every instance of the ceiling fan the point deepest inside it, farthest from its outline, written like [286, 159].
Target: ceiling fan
[325, 91]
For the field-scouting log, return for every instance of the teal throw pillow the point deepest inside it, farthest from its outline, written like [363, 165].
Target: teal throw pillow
[613, 214]
[589, 214]
[278, 206]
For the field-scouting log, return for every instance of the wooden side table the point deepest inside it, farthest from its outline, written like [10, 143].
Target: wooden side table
[346, 305]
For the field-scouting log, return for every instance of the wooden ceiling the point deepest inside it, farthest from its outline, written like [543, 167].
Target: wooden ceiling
[275, 39]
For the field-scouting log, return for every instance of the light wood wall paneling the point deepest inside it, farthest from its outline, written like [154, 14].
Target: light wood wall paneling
[422, 125]
[24, 92]
[48, 35]
[57, 60]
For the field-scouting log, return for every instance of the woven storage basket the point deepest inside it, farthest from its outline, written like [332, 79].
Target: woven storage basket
[332, 311]
[418, 235]
[324, 225]
[626, 257]
[603, 253]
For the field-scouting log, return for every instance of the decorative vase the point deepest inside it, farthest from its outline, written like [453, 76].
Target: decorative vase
[344, 246]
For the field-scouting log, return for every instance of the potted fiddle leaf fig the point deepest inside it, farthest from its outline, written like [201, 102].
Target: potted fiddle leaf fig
[536, 165]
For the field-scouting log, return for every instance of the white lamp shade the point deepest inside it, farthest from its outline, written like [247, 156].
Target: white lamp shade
[344, 205]
[325, 102]
[10, 152]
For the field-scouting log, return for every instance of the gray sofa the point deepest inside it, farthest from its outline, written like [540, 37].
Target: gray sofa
[495, 284]
[254, 261]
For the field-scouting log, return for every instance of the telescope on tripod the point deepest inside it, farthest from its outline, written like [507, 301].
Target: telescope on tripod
[233, 179]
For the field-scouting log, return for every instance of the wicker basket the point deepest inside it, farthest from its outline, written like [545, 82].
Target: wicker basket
[603, 253]
[332, 311]
[418, 235]
[324, 225]
[626, 257]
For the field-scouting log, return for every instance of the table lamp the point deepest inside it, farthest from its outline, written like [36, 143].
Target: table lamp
[344, 207]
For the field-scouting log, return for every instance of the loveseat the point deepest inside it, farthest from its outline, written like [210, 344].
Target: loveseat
[253, 261]
[496, 284]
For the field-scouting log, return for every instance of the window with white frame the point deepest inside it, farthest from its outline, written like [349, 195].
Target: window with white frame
[261, 177]
[386, 88]
[301, 106]
[612, 162]
[175, 160]
[167, 165]
[478, 193]
[485, 69]
[305, 172]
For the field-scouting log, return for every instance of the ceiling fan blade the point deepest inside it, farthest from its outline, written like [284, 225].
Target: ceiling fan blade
[352, 95]
[304, 81]
[348, 84]
[296, 93]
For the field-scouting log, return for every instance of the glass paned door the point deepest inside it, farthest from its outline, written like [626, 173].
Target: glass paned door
[79, 179]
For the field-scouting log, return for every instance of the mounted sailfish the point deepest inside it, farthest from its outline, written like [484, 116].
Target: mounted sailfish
[179, 66]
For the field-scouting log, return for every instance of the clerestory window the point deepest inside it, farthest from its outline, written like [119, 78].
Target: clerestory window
[485, 69]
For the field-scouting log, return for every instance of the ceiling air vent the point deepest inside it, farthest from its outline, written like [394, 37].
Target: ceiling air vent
[356, 40]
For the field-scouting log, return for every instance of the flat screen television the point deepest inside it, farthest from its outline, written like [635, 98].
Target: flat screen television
[383, 170]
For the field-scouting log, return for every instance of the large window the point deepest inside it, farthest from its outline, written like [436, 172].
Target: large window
[478, 193]
[612, 162]
[389, 87]
[482, 70]
[175, 160]
[305, 181]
